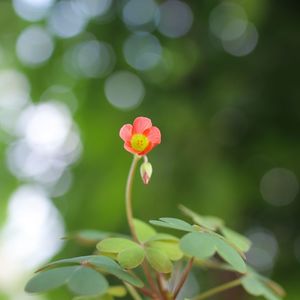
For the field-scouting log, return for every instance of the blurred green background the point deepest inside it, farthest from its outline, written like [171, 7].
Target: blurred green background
[219, 78]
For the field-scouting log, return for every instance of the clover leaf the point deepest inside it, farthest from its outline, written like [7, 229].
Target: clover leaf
[203, 245]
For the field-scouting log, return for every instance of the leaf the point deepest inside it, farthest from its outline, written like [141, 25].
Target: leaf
[115, 245]
[158, 260]
[101, 262]
[117, 291]
[173, 224]
[131, 257]
[256, 287]
[86, 281]
[199, 245]
[50, 279]
[230, 255]
[209, 222]
[171, 249]
[90, 236]
[203, 245]
[143, 230]
[241, 242]
[163, 237]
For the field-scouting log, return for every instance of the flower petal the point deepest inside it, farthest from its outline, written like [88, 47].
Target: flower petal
[153, 134]
[130, 149]
[148, 149]
[126, 132]
[140, 124]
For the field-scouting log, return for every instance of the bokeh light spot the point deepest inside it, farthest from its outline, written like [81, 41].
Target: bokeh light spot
[32, 10]
[124, 90]
[140, 14]
[244, 44]
[65, 20]
[279, 186]
[176, 18]
[142, 51]
[264, 249]
[34, 46]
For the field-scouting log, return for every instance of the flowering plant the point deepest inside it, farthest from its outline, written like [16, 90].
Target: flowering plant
[149, 263]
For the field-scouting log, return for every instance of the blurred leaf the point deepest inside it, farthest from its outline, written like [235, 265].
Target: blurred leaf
[143, 230]
[171, 249]
[255, 285]
[131, 257]
[173, 223]
[115, 245]
[209, 222]
[80, 280]
[237, 239]
[89, 237]
[102, 263]
[230, 255]
[50, 279]
[117, 291]
[163, 237]
[86, 281]
[204, 245]
[158, 260]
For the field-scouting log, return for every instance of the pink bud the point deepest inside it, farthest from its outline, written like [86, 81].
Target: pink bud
[146, 172]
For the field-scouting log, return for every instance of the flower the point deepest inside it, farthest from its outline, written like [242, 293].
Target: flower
[141, 137]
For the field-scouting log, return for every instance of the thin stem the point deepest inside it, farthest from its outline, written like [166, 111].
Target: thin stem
[132, 291]
[160, 283]
[183, 278]
[129, 214]
[219, 289]
[128, 196]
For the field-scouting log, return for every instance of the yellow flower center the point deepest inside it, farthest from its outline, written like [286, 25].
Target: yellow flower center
[139, 142]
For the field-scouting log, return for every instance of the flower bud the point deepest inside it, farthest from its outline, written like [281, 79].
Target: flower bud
[146, 172]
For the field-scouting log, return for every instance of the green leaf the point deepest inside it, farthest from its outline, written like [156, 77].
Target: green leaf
[103, 263]
[256, 287]
[159, 260]
[117, 291]
[203, 245]
[90, 237]
[131, 257]
[230, 255]
[171, 249]
[143, 230]
[164, 237]
[241, 242]
[209, 222]
[115, 245]
[173, 224]
[199, 245]
[86, 281]
[50, 279]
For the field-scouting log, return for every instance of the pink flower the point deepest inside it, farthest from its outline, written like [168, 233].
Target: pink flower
[141, 137]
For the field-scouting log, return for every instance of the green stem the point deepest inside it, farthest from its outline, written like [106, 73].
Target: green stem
[128, 196]
[132, 291]
[219, 289]
[128, 199]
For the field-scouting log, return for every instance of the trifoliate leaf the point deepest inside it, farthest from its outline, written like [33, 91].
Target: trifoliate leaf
[203, 245]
